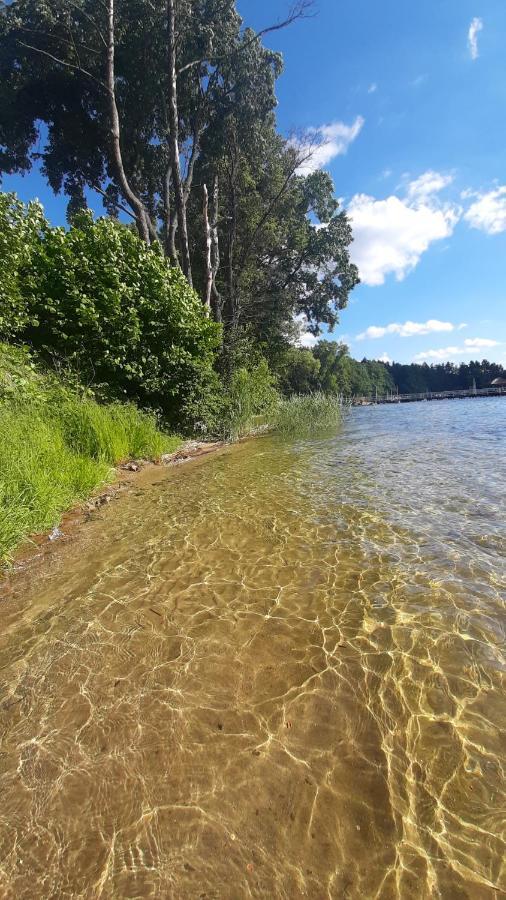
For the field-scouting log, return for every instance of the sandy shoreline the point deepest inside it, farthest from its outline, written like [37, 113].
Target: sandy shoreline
[45, 545]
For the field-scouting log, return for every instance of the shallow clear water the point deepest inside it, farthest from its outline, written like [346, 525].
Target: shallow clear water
[277, 673]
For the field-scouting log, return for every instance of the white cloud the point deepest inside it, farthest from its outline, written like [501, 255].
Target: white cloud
[329, 141]
[446, 352]
[391, 235]
[423, 188]
[488, 212]
[474, 29]
[305, 338]
[384, 358]
[438, 354]
[408, 329]
[372, 88]
[480, 342]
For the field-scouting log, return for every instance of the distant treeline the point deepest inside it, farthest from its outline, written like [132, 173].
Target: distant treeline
[329, 367]
[416, 378]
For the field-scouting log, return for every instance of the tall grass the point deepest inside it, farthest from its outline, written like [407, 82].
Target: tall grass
[56, 453]
[307, 413]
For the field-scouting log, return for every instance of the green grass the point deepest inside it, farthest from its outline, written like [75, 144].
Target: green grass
[57, 447]
[307, 413]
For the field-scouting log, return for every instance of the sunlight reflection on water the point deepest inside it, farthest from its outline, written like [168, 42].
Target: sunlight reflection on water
[277, 673]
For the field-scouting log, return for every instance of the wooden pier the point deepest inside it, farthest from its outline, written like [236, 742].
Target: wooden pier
[429, 395]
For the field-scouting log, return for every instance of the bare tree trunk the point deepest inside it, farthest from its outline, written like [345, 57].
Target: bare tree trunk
[169, 221]
[208, 255]
[231, 317]
[215, 251]
[145, 226]
[174, 144]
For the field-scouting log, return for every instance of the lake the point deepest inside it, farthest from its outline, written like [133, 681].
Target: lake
[277, 672]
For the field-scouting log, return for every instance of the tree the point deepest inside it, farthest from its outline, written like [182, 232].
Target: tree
[334, 373]
[299, 372]
[134, 80]
[277, 263]
[166, 108]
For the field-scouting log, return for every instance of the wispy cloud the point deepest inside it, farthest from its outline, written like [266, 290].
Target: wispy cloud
[372, 88]
[472, 38]
[329, 141]
[407, 329]
[488, 211]
[391, 235]
[425, 186]
[445, 353]
[478, 343]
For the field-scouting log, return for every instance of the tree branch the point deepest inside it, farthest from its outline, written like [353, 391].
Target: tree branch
[115, 203]
[300, 10]
[62, 62]
[90, 19]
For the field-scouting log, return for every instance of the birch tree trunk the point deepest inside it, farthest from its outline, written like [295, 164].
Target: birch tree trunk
[215, 252]
[208, 254]
[144, 224]
[173, 113]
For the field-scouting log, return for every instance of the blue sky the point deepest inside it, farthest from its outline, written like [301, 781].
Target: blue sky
[429, 82]
[410, 102]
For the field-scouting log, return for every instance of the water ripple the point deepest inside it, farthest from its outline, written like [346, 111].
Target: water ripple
[278, 673]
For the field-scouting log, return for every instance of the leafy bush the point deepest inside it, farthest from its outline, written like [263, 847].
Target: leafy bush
[21, 228]
[308, 413]
[248, 394]
[98, 298]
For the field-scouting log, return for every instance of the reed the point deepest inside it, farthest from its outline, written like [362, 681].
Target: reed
[307, 413]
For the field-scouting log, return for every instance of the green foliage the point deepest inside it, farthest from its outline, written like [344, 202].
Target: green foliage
[275, 263]
[20, 230]
[299, 372]
[329, 368]
[283, 265]
[39, 475]
[114, 310]
[308, 413]
[415, 378]
[109, 433]
[58, 446]
[247, 395]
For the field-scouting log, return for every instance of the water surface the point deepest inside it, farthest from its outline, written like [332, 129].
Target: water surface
[274, 673]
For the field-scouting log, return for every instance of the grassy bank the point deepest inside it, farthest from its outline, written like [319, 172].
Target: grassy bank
[57, 446]
[308, 413]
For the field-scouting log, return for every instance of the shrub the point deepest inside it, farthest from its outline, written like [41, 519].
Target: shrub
[98, 298]
[247, 395]
[21, 228]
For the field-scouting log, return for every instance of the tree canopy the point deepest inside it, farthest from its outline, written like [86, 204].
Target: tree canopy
[167, 109]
